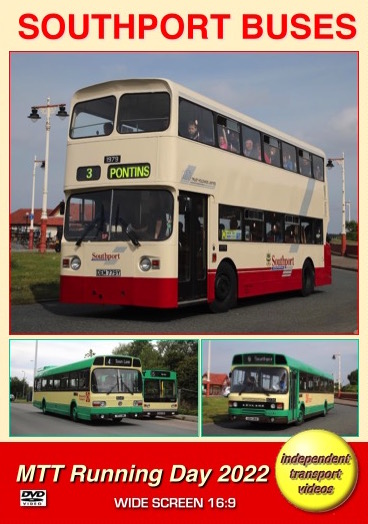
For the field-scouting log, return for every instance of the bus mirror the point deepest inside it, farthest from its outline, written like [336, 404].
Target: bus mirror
[62, 208]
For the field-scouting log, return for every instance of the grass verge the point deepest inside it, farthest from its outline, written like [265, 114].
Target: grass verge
[214, 409]
[34, 277]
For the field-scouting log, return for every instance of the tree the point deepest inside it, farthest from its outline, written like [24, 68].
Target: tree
[351, 230]
[353, 378]
[19, 388]
[90, 354]
[143, 349]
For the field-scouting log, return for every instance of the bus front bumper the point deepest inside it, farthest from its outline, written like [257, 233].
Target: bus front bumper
[275, 417]
[122, 291]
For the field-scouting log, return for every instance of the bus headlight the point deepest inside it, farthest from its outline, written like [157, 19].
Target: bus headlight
[75, 263]
[145, 264]
[99, 403]
[137, 403]
[233, 404]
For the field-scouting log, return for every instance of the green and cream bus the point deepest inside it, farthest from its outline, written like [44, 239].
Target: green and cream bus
[160, 393]
[102, 387]
[273, 388]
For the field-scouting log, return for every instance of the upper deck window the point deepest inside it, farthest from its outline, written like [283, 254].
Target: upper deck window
[143, 112]
[196, 123]
[93, 118]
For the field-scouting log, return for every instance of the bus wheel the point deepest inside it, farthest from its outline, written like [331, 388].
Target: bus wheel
[74, 413]
[225, 289]
[300, 419]
[307, 279]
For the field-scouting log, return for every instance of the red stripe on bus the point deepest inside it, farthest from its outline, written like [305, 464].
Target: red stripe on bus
[145, 292]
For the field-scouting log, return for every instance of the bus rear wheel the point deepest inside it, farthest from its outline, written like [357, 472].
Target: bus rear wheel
[300, 419]
[307, 278]
[74, 413]
[225, 289]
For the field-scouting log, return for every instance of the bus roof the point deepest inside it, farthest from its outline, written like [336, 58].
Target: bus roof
[267, 359]
[100, 360]
[180, 91]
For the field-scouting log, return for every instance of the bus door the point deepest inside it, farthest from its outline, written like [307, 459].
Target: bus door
[294, 395]
[192, 264]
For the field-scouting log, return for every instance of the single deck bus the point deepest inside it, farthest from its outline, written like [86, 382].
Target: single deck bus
[160, 393]
[172, 198]
[277, 389]
[102, 387]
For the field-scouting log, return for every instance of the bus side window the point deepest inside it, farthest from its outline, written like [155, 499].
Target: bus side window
[305, 165]
[190, 113]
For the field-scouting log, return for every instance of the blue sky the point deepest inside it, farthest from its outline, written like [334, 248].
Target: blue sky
[317, 353]
[312, 96]
[53, 353]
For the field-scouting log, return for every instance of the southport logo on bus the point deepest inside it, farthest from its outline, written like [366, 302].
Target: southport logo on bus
[128, 171]
[284, 264]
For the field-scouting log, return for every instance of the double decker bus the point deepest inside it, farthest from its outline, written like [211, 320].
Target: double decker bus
[160, 393]
[173, 199]
[107, 387]
[273, 388]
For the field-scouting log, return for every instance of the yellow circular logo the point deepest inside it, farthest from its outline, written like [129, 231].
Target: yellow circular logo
[316, 470]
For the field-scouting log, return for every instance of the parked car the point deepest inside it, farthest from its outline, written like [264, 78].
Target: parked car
[12, 397]
[226, 392]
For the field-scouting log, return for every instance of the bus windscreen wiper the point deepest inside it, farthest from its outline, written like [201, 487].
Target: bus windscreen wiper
[127, 387]
[130, 232]
[98, 219]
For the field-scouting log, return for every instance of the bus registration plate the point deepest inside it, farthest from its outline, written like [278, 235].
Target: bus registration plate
[252, 419]
[108, 272]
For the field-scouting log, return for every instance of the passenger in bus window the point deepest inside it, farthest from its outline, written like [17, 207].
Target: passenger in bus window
[221, 133]
[288, 163]
[193, 132]
[305, 167]
[222, 142]
[250, 151]
[267, 154]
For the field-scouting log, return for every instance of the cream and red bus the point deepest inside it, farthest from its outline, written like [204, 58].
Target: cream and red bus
[107, 387]
[172, 199]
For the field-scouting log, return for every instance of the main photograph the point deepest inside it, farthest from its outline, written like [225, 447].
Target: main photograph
[183, 185]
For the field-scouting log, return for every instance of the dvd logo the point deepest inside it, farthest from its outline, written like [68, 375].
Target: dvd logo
[33, 497]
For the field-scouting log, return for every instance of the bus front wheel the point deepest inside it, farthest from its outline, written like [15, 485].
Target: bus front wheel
[307, 278]
[225, 289]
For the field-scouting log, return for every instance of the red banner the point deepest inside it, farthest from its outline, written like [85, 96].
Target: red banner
[105, 481]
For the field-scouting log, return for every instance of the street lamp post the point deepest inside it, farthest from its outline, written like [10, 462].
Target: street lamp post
[24, 381]
[48, 109]
[31, 227]
[341, 162]
[338, 357]
[347, 203]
